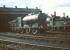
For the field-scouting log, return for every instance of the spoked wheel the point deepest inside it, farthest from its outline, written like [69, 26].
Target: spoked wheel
[27, 30]
[34, 31]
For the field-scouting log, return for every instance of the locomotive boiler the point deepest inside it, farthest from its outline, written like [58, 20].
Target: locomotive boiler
[35, 23]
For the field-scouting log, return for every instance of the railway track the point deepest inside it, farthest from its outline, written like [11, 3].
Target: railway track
[31, 40]
[49, 37]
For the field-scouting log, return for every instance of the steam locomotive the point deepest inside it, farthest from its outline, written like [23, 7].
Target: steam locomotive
[32, 23]
[35, 23]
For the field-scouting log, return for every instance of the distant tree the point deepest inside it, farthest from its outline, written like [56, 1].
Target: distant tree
[67, 16]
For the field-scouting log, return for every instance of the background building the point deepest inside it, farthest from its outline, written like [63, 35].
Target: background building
[9, 14]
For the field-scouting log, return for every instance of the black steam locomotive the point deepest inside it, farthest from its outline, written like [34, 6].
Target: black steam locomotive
[35, 23]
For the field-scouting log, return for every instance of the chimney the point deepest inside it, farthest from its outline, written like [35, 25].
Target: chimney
[26, 7]
[36, 7]
[3, 6]
[15, 6]
[63, 14]
[54, 13]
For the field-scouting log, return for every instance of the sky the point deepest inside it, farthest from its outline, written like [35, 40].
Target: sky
[47, 6]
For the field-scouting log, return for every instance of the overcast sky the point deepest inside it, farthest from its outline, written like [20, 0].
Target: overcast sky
[47, 6]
